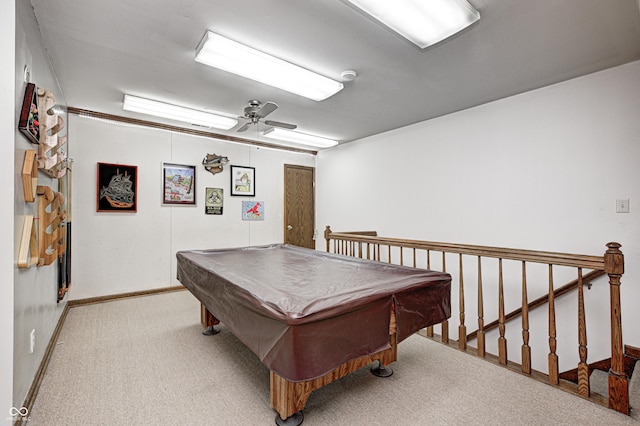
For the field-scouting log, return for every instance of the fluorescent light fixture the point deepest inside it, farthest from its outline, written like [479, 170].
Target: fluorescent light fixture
[175, 112]
[299, 138]
[423, 22]
[228, 55]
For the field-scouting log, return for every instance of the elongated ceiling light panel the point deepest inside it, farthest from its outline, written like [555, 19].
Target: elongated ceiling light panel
[175, 112]
[299, 138]
[228, 55]
[423, 22]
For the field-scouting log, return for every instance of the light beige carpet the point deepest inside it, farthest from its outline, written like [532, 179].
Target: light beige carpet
[144, 361]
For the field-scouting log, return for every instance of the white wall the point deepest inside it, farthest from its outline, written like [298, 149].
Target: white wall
[7, 123]
[122, 252]
[35, 288]
[541, 170]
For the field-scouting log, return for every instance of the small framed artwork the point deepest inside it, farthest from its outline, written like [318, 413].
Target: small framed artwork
[117, 188]
[178, 184]
[253, 210]
[29, 123]
[213, 202]
[243, 181]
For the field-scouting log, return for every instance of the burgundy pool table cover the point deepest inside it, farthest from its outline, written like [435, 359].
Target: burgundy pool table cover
[305, 312]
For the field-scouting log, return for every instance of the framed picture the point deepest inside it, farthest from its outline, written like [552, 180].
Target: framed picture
[178, 184]
[29, 123]
[213, 201]
[243, 181]
[253, 210]
[117, 188]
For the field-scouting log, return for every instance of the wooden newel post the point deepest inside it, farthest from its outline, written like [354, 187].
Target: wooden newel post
[618, 380]
[327, 232]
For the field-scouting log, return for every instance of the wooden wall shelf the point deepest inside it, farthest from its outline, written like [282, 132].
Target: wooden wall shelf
[28, 254]
[30, 176]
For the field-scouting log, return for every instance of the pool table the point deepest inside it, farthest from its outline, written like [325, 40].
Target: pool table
[312, 317]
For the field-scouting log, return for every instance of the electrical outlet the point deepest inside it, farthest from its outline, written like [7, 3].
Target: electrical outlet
[622, 205]
[33, 341]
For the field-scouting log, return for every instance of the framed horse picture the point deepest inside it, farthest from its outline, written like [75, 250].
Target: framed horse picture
[243, 181]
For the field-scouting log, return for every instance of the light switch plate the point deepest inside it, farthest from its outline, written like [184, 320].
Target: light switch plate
[622, 205]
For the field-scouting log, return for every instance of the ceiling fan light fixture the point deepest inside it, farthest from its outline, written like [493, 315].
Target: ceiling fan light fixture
[175, 112]
[228, 55]
[424, 23]
[299, 138]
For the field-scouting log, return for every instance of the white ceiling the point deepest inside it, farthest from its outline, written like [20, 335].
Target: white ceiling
[103, 49]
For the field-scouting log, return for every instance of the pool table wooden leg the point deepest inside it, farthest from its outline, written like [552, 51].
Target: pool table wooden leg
[288, 398]
[208, 321]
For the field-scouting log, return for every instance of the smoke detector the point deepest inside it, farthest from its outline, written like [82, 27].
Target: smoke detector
[348, 75]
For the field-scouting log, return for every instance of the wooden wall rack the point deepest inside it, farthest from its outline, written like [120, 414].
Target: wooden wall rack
[51, 159]
[51, 243]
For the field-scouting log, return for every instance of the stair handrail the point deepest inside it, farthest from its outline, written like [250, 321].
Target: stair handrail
[612, 263]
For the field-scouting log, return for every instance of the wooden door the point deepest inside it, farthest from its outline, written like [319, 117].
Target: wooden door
[299, 206]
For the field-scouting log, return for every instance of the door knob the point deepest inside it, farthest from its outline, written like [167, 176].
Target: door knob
[289, 227]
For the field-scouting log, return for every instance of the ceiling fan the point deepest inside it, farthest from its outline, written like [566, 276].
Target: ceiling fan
[256, 111]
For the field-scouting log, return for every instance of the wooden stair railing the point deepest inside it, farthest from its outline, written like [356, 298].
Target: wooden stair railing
[540, 301]
[631, 356]
[369, 245]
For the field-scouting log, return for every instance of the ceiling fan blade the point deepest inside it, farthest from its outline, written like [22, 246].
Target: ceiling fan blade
[266, 109]
[280, 124]
[244, 127]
